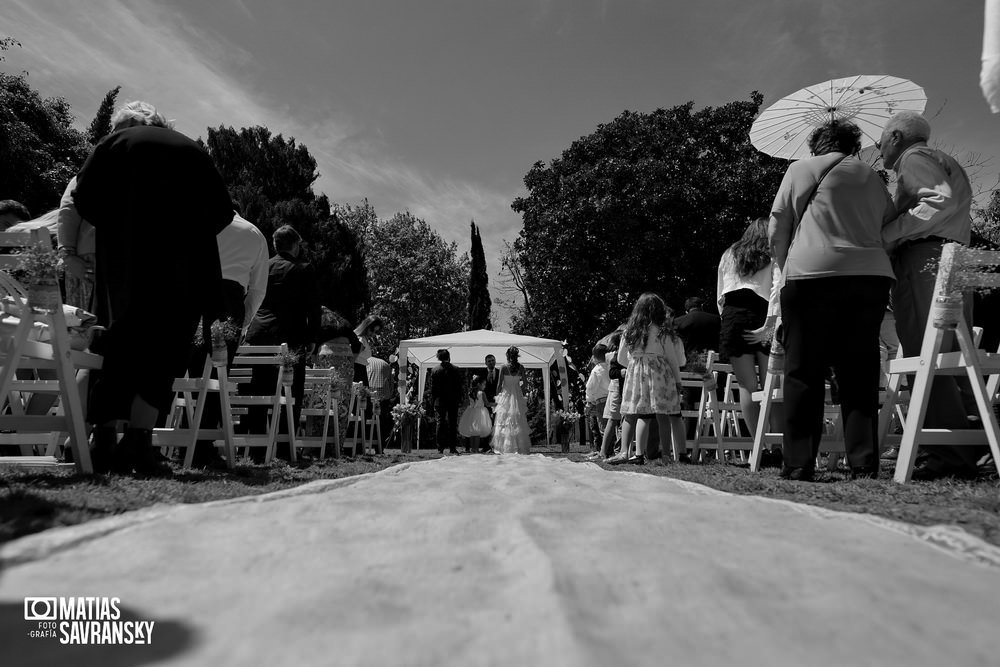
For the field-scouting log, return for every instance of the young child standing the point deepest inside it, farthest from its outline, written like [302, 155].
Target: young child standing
[475, 422]
[597, 397]
[652, 381]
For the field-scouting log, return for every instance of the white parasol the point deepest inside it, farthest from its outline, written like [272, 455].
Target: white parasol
[867, 100]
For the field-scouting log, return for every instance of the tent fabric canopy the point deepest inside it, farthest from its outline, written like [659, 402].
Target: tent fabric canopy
[468, 349]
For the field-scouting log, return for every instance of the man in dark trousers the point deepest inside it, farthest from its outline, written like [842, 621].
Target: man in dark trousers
[446, 395]
[290, 313]
[492, 376]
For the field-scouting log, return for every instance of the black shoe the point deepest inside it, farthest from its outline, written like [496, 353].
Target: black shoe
[104, 439]
[637, 460]
[797, 474]
[454, 452]
[864, 472]
[771, 458]
[890, 454]
[926, 471]
[138, 443]
[685, 458]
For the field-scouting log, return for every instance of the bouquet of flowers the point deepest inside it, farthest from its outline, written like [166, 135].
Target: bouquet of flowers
[407, 413]
[565, 419]
[37, 262]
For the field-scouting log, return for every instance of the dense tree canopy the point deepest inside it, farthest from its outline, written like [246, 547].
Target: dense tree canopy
[271, 181]
[479, 289]
[418, 282]
[648, 201]
[41, 150]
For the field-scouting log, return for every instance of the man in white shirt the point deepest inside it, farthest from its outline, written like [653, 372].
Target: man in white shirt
[597, 396]
[933, 202]
[243, 253]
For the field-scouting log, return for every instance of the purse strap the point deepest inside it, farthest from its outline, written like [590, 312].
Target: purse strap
[812, 195]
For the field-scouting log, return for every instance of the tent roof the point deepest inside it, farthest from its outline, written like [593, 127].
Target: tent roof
[469, 348]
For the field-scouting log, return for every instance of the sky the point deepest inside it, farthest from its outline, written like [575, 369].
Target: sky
[440, 107]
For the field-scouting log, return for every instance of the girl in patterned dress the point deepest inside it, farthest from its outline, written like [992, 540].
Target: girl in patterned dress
[649, 350]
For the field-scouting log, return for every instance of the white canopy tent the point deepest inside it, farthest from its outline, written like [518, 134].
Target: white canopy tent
[469, 349]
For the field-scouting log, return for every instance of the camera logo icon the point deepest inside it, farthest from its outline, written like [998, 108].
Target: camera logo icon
[40, 609]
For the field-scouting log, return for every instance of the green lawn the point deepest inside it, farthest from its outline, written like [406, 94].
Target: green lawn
[32, 500]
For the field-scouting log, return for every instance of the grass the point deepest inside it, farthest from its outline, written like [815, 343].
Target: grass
[37, 499]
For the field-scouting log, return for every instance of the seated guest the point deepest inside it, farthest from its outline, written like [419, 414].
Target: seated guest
[699, 331]
[11, 213]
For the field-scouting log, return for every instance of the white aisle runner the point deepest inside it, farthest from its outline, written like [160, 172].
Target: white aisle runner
[486, 560]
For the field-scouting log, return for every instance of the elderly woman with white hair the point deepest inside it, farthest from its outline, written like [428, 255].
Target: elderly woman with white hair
[157, 202]
[76, 236]
[933, 203]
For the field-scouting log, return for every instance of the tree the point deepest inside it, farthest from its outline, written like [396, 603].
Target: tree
[418, 283]
[479, 291]
[100, 127]
[271, 181]
[648, 201]
[41, 150]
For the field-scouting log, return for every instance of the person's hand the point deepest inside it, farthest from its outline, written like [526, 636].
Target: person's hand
[79, 268]
[760, 335]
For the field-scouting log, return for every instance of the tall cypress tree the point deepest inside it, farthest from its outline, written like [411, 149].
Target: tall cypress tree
[479, 292]
[100, 127]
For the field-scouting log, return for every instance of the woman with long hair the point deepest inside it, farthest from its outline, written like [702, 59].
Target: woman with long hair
[651, 353]
[746, 277]
[511, 434]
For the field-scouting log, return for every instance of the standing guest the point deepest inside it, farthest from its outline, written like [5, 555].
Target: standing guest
[446, 395]
[596, 393]
[78, 247]
[746, 278]
[492, 388]
[826, 234]
[243, 256]
[698, 330]
[11, 213]
[613, 406]
[649, 351]
[290, 313]
[381, 385]
[160, 202]
[932, 206]
[476, 422]
[370, 327]
[511, 434]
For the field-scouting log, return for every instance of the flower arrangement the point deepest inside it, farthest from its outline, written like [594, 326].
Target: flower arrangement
[566, 419]
[407, 413]
[220, 333]
[38, 262]
[289, 359]
[363, 392]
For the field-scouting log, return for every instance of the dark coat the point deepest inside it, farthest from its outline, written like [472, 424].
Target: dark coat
[446, 386]
[291, 309]
[492, 388]
[699, 330]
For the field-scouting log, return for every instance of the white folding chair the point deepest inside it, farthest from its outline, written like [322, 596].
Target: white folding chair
[184, 428]
[38, 311]
[320, 409]
[960, 269]
[280, 399]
